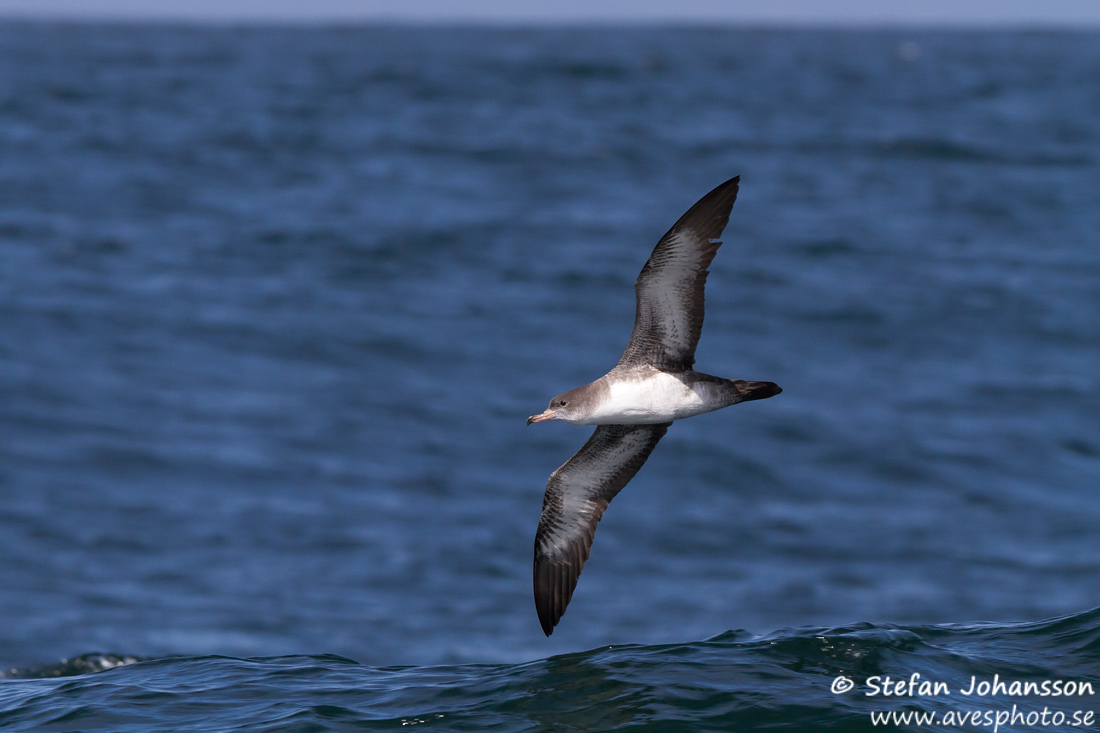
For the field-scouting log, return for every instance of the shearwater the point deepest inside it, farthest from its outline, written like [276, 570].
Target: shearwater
[634, 404]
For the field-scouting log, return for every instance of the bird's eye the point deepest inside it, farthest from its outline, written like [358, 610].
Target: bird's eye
[561, 403]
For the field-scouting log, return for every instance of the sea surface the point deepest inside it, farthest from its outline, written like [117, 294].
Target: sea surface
[276, 302]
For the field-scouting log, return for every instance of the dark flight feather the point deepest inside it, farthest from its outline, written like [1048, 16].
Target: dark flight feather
[669, 291]
[576, 496]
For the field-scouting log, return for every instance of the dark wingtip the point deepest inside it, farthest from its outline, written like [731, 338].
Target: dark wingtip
[553, 590]
[547, 627]
[555, 581]
[711, 213]
[543, 606]
[732, 185]
[728, 187]
[544, 597]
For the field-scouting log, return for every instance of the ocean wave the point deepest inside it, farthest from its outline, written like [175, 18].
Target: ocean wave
[734, 681]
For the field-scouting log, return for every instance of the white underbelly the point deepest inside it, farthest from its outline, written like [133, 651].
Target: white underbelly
[656, 399]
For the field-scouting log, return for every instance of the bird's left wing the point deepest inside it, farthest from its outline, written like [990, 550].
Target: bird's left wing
[669, 291]
[576, 497]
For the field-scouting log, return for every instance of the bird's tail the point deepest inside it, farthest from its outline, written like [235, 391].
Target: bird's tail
[748, 391]
[726, 392]
[721, 392]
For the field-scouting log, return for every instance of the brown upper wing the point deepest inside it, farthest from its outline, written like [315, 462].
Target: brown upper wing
[576, 497]
[669, 289]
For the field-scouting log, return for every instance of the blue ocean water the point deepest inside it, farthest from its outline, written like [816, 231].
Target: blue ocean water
[275, 303]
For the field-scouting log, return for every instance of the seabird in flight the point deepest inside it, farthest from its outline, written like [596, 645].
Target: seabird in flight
[634, 404]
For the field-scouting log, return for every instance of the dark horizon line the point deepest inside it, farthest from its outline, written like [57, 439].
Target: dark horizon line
[458, 23]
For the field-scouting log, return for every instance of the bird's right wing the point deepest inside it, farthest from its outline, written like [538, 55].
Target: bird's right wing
[576, 497]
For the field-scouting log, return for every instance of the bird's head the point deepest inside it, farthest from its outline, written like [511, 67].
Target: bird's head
[562, 407]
